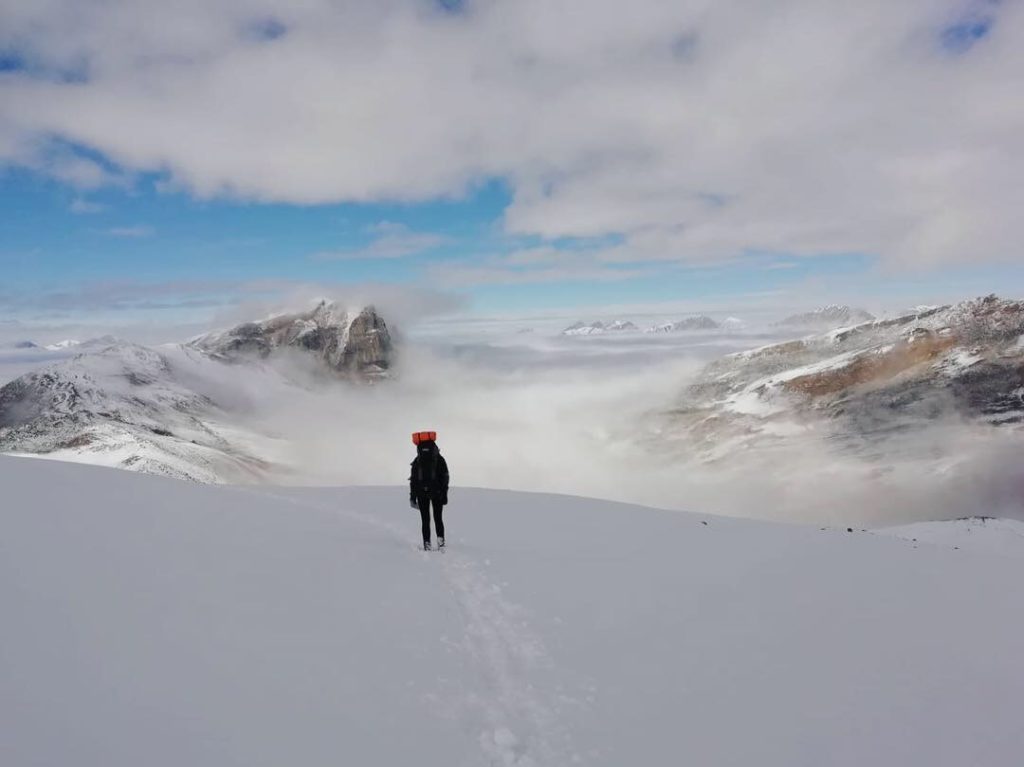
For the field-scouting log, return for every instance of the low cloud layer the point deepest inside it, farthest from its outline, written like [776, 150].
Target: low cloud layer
[692, 130]
[537, 411]
[583, 417]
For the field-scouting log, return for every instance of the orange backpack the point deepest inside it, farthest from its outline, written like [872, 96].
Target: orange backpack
[423, 436]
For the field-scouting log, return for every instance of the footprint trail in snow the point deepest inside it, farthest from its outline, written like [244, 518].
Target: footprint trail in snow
[520, 726]
[517, 723]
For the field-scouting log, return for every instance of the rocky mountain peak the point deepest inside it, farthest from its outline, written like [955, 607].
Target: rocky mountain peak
[350, 343]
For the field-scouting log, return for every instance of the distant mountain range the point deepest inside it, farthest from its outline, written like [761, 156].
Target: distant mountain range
[697, 322]
[828, 318]
[597, 328]
[179, 410]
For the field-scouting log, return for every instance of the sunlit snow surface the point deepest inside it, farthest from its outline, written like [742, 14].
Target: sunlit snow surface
[976, 534]
[162, 623]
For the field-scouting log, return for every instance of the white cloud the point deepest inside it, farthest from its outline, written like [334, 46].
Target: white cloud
[130, 231]
[82, 206]
[391, 241]
[531, 266]
[695, 129]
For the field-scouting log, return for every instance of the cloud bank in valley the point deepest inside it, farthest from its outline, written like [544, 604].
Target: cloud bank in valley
[582, 417]
[691, 130]
[588, 416]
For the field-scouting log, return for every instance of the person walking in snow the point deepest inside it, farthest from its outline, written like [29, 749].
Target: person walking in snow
[428, 485]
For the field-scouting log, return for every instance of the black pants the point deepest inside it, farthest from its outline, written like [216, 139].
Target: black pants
[424, 503]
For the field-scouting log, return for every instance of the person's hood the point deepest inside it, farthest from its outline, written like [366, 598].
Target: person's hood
[427, 449]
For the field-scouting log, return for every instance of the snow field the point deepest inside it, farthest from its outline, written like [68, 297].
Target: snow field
[149, 621]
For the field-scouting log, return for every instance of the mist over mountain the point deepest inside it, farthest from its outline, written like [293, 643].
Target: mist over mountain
[897, 420]
[176, 410]
[699, 322]
[596, 328]
[966, 359]
[828, 317]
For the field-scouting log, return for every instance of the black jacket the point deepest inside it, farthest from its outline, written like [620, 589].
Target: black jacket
[429, 475]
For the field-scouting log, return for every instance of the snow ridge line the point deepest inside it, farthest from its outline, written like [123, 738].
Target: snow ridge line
[520, 729]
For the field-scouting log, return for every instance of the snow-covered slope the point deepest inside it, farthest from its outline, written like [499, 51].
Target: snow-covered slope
[127, 406]
[153, 622]
[984, 535]
[868, 381]
[173, 410]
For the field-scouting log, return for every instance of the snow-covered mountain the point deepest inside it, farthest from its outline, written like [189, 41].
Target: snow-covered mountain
[73, 346]
[597, 328]
[828, 318]
[868, 381]
[175, 411]
[127, 406]
[20, 345]
[350, 343]
[699, 322]
[65, 344]
[158, 623]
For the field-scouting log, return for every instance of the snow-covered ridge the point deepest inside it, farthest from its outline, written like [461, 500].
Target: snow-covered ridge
[984, 535]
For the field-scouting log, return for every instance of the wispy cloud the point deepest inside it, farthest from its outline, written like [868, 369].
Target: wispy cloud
[130, 231]
[231, 300]
[532, 266]
[390, 240]
[82, 206]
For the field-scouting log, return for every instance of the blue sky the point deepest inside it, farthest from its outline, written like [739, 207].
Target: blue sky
[59, 239]
[158, 164]
[171, 246]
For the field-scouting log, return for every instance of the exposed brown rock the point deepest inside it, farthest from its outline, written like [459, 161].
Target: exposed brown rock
[875, 366]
